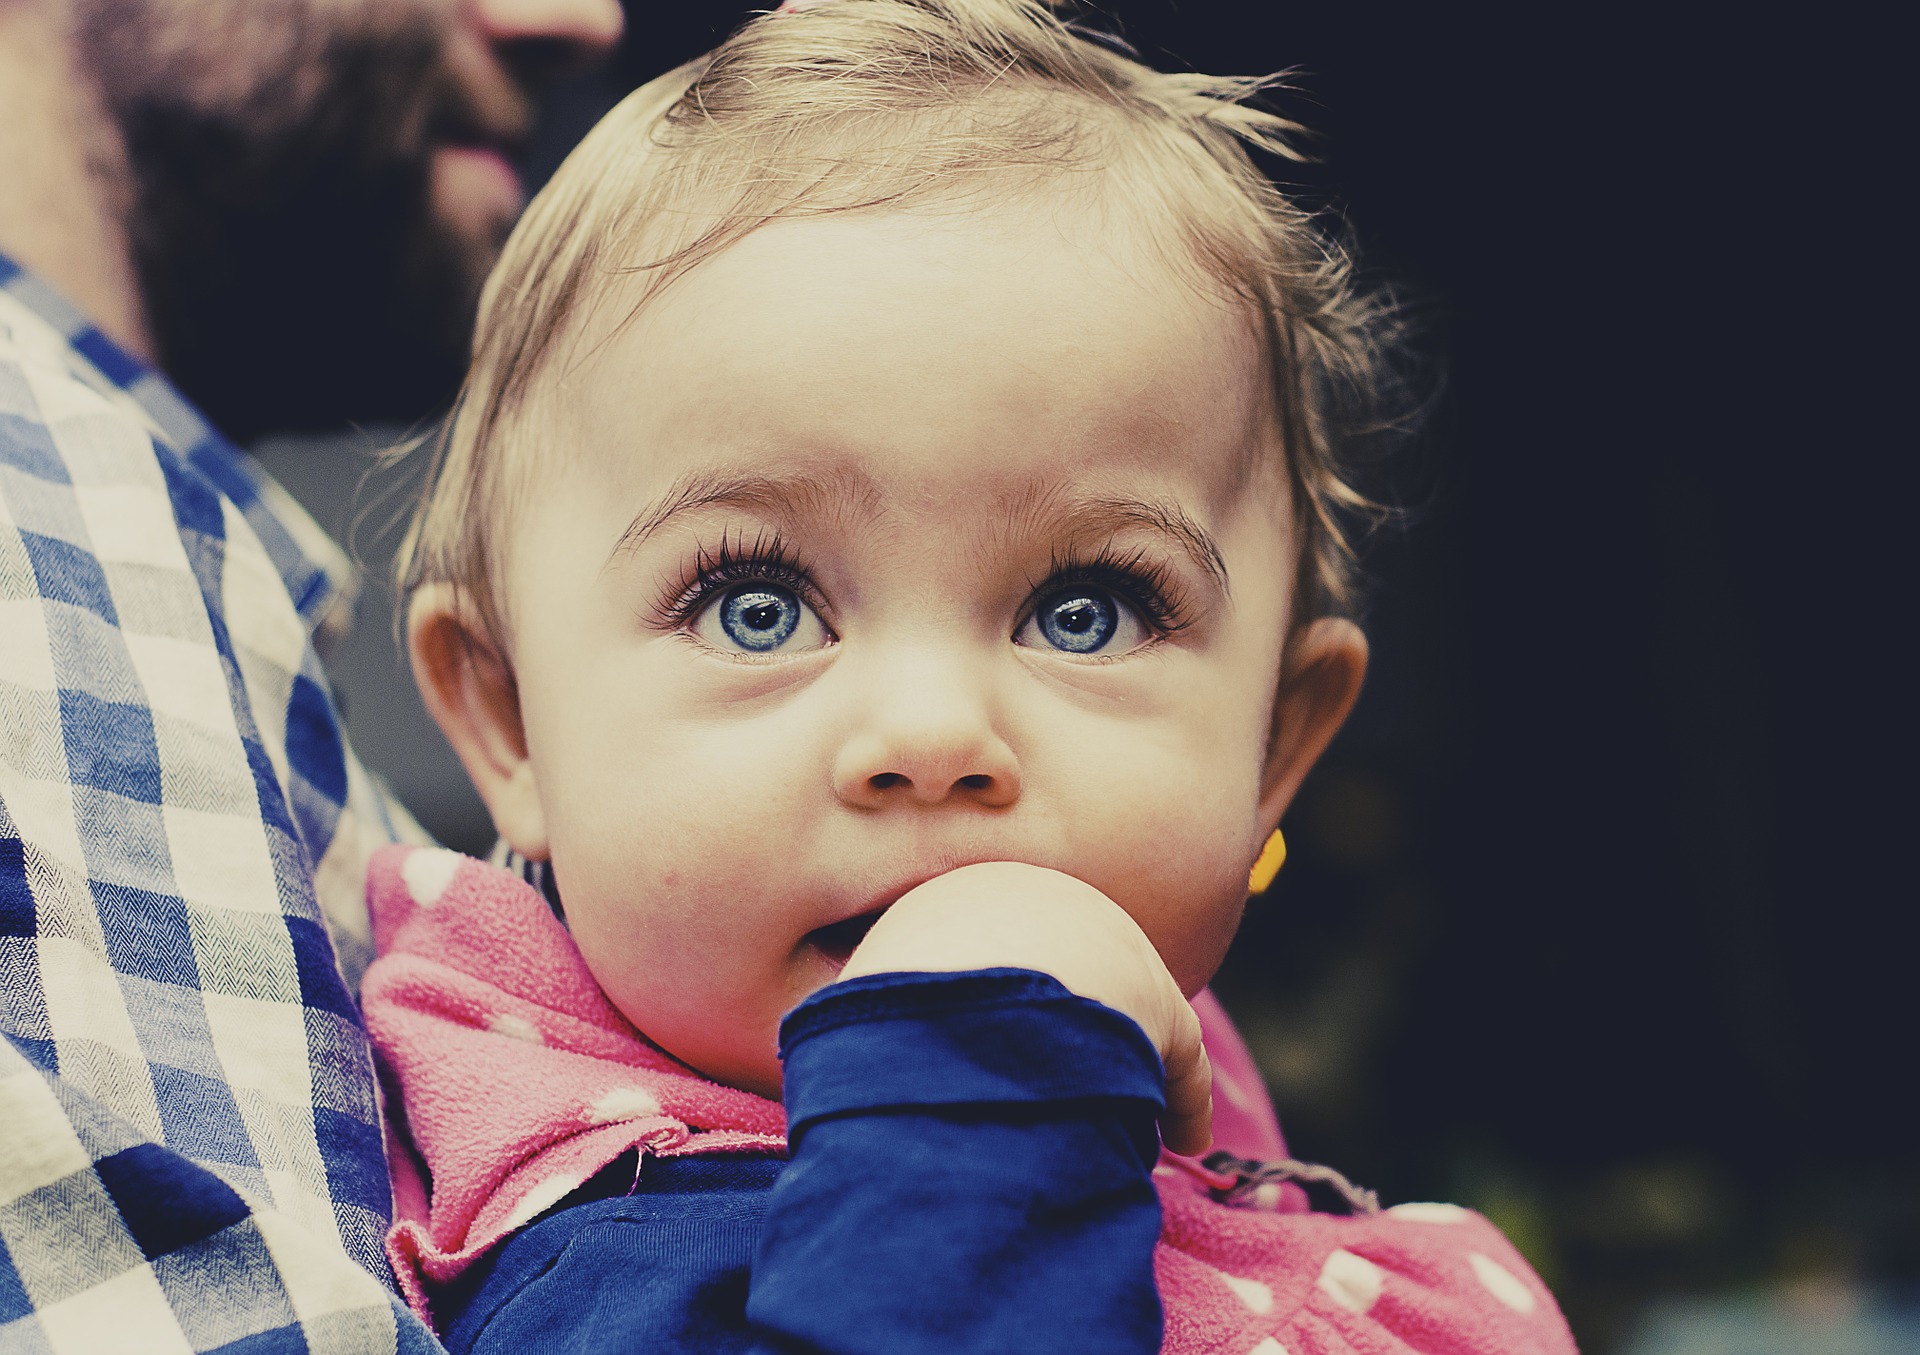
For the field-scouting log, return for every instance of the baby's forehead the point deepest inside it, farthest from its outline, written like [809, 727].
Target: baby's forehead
[894, 110]
[1016, 348]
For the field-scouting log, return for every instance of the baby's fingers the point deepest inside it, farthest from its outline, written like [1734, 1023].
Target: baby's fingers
[1187, 1126]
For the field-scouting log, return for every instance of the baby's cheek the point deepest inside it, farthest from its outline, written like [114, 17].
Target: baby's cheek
[703, 983]
[1189, 905]
[1203, 940]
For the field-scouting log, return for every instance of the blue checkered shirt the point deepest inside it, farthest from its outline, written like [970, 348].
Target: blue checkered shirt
[190, 1146]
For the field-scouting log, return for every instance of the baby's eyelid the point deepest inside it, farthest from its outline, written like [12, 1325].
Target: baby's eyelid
[1142, 594]
[708, 593]
[713, 577]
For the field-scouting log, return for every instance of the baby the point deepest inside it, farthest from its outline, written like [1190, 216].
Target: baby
[885, 577]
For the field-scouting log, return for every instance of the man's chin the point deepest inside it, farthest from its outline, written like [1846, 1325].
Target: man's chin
[298, 266]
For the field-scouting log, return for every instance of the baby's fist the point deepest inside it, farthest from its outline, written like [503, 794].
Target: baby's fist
[1004, 914]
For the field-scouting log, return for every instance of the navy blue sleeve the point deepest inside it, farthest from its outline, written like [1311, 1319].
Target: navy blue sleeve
[970, 1171]
[972, 1158]
[664, 1268]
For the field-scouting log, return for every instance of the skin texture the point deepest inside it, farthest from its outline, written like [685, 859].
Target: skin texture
[930, 413]
[235, 209]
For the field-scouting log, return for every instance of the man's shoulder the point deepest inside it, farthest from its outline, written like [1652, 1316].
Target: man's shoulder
[84, 423]
[61, 422]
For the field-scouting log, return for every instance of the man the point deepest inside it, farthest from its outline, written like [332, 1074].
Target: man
[198, 199]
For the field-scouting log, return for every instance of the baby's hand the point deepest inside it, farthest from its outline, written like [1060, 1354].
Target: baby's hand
[1005, 914]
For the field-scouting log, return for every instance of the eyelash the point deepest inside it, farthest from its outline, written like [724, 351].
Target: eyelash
[1147, 585]
[766, 559]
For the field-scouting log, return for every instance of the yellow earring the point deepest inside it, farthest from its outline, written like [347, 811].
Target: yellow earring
[1272, 857]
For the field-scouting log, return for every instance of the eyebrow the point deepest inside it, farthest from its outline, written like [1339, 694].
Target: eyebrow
[1163, 517]
[706, 489]
[1102, 515]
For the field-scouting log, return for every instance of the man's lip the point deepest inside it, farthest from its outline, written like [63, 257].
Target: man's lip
[489, 170]
[507, 150]
[507, 139]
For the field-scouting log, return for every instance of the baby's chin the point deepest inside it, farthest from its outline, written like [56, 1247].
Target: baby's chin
[820, 956]
[742, 1070]
[738, 1059]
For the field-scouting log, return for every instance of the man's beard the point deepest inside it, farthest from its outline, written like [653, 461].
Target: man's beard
[293, 272]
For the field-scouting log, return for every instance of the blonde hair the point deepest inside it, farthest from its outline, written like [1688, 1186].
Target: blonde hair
[856, 104]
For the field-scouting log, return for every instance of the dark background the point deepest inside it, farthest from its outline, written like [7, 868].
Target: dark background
[1599, 915]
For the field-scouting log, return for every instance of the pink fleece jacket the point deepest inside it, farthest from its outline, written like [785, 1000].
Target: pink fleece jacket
[520, 1081]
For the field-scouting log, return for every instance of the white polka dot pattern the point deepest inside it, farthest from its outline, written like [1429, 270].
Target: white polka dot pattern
[515, 1028]
[1502, 1283]
[428, 873]
[540, 1199]
[1268, 1347]
[1351, 1281]
[623, 1103]
[1420, 1211]
[1257, 1296]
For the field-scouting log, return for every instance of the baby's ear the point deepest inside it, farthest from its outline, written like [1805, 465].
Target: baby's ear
[469, 690]
[1325, 665]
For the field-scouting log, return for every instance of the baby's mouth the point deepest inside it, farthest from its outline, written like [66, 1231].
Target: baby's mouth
[837, 940]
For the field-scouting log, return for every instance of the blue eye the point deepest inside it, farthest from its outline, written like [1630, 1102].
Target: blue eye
[760, 618]
[1083, 620]
[1079, 623]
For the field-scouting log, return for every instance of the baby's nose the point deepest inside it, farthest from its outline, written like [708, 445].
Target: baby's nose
[931, 784]
[928, 745]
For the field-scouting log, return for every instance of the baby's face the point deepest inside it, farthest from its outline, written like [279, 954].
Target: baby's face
[880, 545]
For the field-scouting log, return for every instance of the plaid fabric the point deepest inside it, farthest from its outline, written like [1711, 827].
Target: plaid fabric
[190, 1151]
